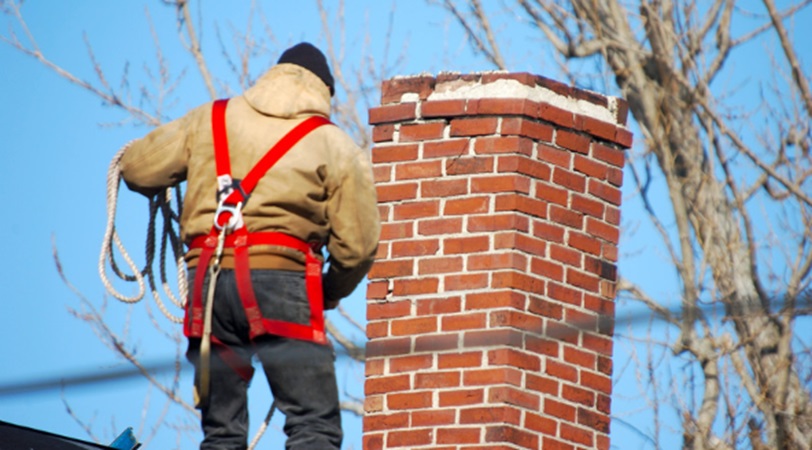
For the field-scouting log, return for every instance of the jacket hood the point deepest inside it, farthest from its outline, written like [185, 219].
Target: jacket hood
[288, 91]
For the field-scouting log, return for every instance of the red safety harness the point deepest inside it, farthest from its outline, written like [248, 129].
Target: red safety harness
[231, 196]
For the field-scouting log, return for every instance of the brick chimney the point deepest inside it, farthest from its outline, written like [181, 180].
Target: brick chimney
[490, 309]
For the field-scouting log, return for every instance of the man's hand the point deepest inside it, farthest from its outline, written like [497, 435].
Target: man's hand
[330, 303]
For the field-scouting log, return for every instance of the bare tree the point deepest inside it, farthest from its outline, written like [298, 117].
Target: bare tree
[246, 51]
[738, 227]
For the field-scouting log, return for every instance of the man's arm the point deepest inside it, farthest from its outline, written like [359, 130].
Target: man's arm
[355, 230]
[158, 160]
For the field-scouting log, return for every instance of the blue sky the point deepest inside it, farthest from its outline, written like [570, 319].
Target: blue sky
[58, 141]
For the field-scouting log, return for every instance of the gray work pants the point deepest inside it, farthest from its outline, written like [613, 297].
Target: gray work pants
[301, 374]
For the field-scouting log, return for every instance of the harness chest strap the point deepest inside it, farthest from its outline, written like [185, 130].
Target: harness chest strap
[234, 195]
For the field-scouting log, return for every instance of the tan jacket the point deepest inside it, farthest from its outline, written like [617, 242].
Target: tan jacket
[322, 190]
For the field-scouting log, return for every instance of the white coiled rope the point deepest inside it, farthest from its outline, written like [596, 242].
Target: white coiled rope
[169, 237]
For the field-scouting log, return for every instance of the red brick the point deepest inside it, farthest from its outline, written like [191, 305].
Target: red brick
[417, 210]
[565, 255]
[377, 422]
[500, 183]
[384, 385]
[436, 380]
[604, 191]
[503, 144]
[498, 222]
[396, 192]
[577, 395]
[582, 280]
[561, 371]
[461, 397]
[458, 322]
[623, 137]
[494, 337]
[577, 435]
[556, 115]
[413, 170]
[445, 148]
[459, 360]
[374, 367]
[587, 206]
[413, 132]
[410, 363]
[590, 167]
[544, 307]
[599, 344]
[549, 443]
[555, 156]
[516, 319]
[552, 194]
[412, 326]
[505, 106]
[560, 410]
[585, 243]
[392, 90]
[469, 165]
[527, 128]
[473, 127]
[466, 282]
[377, 329]
[521, 203]
[416, 247]
[373, 441]
[409, 438]
[514, 358]
[377, 290]
[603, 269]
[597, 128]
[572, 141]
[541, 424]
[582, 321]
[391, 269]
[512, 435]
[570, 180]
[432, 227]
[424, 285]
[392, 113]
[433, 418]
[397, 230]
[603, 230]
[566, 216]
[524, 165]
[388, 347]
[490, 414]
[383, 133]
[548, 232]
[544, 385]
[394, 153]
[409, 400]
[443, 188]
[547, 269]
[496, 261]
[436, 342]
[520, 241]
[388, 310]
[463, 245]
[470, 205]
[593, 420]
[598, 382]
[458, 435]
[495, 299]
[442, 108]
[441, 305]
[432, 266]
[382, 173]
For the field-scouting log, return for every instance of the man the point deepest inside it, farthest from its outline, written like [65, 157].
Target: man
[318, 190]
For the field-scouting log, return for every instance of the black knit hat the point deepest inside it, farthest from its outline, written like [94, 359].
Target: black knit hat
[308, 56]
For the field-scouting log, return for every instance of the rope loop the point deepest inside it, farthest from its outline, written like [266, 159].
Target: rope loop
[170, 239]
